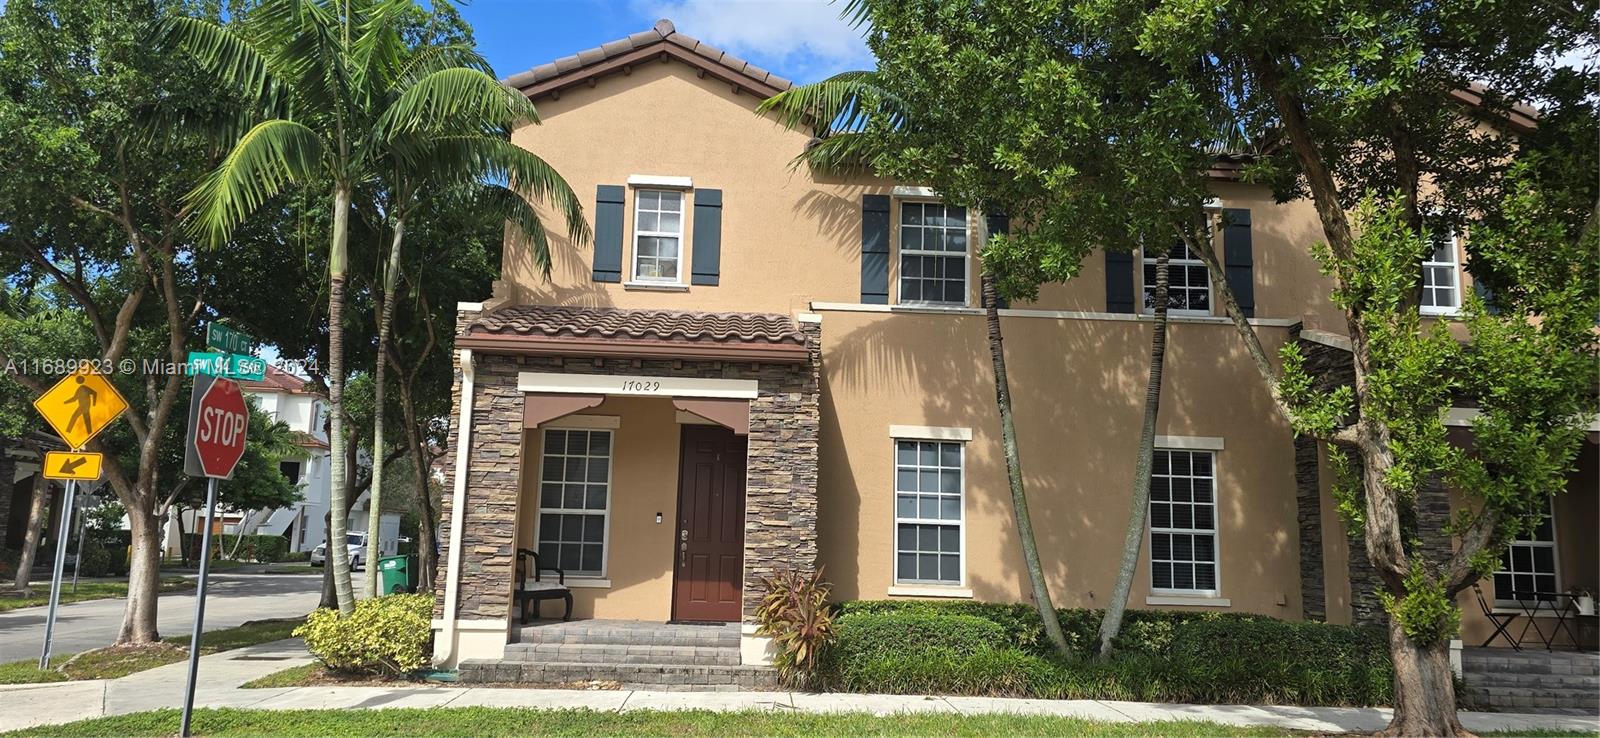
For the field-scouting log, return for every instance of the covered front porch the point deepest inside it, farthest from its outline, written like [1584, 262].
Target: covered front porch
[655, 464]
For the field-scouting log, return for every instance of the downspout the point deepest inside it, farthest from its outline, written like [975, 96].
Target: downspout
[458, 494]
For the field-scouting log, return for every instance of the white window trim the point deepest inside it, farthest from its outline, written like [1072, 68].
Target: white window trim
[929, 433]
[1190, 596]
[581, 422]
[1188, 600]
[538, 508]
[683, 204]
[1455, 275]
[1211, 293]
[901, 252]
[1190, 443]
[1555, 558]
[643, 385]
[660, 181]
[961, 588]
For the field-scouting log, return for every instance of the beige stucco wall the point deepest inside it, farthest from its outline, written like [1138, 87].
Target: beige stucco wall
[1078, 396]
[644, 471]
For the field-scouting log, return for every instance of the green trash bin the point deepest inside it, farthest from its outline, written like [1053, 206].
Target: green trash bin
[399, 574]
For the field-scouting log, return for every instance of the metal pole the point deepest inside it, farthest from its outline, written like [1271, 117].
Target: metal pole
[199, 605]
[78, 566]
[55, 581]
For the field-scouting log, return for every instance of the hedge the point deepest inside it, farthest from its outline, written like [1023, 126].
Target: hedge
[263, 549]
[1163, 656]
[388, 635]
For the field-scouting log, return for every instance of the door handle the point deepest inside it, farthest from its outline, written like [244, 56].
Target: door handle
[683, 554]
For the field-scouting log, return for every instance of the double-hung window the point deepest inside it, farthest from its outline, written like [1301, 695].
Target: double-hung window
[1183, 523]
[657, 236]
[928, 512]
[1441, 276]
[574, 500]
[933, 253]
[1528, 565]
[1188, 282]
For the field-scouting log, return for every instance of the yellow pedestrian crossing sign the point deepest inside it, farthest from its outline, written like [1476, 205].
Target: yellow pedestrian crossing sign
[81, 405]
[84, 467]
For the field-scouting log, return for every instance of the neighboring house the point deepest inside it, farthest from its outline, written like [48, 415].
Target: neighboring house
[288, 399]
[756, 368]
[19, 465]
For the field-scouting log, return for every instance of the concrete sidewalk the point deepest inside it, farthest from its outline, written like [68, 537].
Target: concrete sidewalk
[49, 704]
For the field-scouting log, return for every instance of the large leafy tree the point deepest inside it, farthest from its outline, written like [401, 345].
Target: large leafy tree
[339, 94]
[90, 214]
[1099, 120]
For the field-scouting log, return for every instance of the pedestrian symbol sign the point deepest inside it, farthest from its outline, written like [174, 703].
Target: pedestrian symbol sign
[71, 465]
[81, 405]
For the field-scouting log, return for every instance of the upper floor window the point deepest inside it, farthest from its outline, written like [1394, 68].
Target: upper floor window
[1183, 523]
[1527, 568]
[658, 236]
[1188, 282]
[933, 253]
[1441, 277]
[290, 471]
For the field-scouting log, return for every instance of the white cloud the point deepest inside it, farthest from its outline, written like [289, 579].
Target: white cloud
[803, 39]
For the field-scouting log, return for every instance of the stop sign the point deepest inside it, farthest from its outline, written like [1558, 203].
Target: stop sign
[218, 420]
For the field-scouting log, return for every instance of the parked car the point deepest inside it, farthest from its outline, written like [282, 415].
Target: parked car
[355, 546]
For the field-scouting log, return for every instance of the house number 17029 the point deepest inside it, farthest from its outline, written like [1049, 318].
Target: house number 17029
[634, 385]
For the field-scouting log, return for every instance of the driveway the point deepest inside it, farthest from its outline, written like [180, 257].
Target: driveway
[232, 599]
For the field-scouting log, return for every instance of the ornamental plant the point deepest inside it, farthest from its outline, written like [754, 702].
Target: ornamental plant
[794, 613]
[387, 636]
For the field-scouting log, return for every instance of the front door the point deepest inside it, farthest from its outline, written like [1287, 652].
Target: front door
[709, 574]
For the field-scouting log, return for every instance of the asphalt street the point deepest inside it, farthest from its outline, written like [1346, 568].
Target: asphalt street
[233, 598]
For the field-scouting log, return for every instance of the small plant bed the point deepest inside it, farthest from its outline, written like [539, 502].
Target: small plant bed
[111, 663]
[86, 591]
[999, 650]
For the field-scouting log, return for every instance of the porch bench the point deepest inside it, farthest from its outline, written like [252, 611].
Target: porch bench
[531, 589]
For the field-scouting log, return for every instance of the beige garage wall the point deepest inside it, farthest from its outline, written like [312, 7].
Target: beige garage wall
[644, 472]
[1079, 389]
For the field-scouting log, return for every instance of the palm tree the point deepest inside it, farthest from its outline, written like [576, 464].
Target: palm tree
[320, 76]
[839, 111]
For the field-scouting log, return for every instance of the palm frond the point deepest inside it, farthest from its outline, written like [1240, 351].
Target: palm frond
[841, 152]
[266, 159]
[522, 220]
[219, 51]
[379, 50]
[839, 103]
[430, 59]
[443, 99]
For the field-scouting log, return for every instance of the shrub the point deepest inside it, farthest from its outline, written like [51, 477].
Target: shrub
[261, 549]
[795, 613]
[387, 635]
[99, 561]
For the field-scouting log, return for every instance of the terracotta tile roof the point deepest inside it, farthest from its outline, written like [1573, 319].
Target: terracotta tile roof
[277, 380]
[558, 321]
[664, 38]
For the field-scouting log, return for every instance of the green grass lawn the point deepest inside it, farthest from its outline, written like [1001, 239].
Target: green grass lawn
[86, 591]
[294, 676]
[119, 662]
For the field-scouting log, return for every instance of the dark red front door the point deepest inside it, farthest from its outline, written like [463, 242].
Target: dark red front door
[709, 571]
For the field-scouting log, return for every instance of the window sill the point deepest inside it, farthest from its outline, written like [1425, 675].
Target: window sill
[655, 286]
[909, 590]
[1188, 600]
[588, 583]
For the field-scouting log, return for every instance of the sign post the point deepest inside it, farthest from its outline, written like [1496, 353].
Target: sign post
[218, 421]
[78, 407]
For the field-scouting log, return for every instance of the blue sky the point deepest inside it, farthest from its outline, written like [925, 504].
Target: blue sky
[803, 40]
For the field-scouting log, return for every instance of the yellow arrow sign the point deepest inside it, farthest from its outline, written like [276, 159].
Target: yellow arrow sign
[81, 405]
[84, 467]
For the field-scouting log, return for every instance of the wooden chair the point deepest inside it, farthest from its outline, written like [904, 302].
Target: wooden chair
[530, 592]
[1499, 619]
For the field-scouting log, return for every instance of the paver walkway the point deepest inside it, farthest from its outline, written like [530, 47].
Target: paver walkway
[220, 675]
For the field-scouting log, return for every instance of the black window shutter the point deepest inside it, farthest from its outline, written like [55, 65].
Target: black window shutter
[999, 223]
[1119, 282]
[1486, 295]
[1238, 263]
[707, 266]
[608, 233]
[875, 249]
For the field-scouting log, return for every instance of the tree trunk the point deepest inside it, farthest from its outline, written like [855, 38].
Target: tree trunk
[427, 556]
[1133, 539]
[144, 580]
[183, 541]
[1019, 498]
[38, 509]
[1424, 688]
[339, 525]
[330, 599]
[391, 272]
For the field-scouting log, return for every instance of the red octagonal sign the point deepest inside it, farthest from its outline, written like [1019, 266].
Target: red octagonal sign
[218, 421]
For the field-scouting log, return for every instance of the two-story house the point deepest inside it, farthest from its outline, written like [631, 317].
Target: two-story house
[756, 367]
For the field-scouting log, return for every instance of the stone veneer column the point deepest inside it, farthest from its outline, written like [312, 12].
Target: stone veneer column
[780, 514]
[1308, 504]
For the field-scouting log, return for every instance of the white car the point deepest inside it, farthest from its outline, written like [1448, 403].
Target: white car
[355, 546]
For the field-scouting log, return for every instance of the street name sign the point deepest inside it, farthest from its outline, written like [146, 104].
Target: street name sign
[81, 405]
[219, 420]
[227, 340]
[83, 467]
[232, 366]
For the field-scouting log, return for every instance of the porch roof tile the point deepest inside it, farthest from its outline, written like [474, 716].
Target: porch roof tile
[566, 321]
